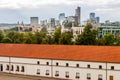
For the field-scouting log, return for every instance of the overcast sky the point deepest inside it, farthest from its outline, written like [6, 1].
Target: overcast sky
[12, 11]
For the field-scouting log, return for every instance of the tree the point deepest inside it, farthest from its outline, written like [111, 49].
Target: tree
[118, 41]
[16, 37]
[6, 40]
[44, 29]
[57, 35]
[49, 39]
[108, 39]
[39, 37]
[66, 38]
[1, 35]
[29, 38]
[88, 37]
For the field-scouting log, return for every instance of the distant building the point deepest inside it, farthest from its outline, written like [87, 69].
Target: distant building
[92, 15]
[34, 21]
[52, 22]
[78, 14]
[61, 18]
[77, 31]
[103, 30]
[43, 23]
[97, 19]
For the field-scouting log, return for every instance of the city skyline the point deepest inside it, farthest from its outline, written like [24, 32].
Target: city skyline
[21, 10]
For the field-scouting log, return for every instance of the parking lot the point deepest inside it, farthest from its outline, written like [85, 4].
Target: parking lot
[5, 76]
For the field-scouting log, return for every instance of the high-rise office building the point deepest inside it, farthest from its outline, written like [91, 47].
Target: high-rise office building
[52, 22]
[78, 14]
[92, 15]
[34, 21]
[98, 19]
[61, 18]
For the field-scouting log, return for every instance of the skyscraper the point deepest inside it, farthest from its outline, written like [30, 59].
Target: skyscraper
[78, 14]
[61, 18]
[98, 19]
[34, 21]
[52, 22]
[92, 15]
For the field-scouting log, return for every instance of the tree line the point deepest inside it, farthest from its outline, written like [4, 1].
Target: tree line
[88, 37]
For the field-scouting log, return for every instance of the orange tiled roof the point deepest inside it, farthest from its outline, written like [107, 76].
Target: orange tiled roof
[64, 52]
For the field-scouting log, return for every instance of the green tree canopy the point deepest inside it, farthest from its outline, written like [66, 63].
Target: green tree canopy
[66, 38]
[88, 37]
[108, 39]
[57, 35]
[1, 35]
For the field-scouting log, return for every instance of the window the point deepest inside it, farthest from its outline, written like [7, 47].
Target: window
[47, 72]
[38, 62]
[67, 74]
[88, 76]
[100, 67]
[112, 67]
[57, 64]
[47, 63]
[38, 71]
[88, 66]
[100, 77]
[23, 69]
[77, 65]
[12, 67]
[67, 64]
[17, 68]
[57, 73]
[7, 68]
[77, 75]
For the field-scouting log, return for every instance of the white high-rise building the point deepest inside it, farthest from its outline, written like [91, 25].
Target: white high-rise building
[34, 21]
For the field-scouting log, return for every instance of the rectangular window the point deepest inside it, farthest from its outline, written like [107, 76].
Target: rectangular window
[77, 75]
[47, 72]
[67, 64]
[12, 67]
[23, 69]
[100, 77]
[67, 74]
[57, 73]
[112, 67]
[38, 62]
[100, 67]
[88, 76]
[17, 68]
[77, 65]
[7, 68]
[57, 64]
[47, 63]
[88, 66]
[38, 71]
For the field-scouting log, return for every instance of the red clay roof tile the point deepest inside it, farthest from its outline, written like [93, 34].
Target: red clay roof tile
[63, 52]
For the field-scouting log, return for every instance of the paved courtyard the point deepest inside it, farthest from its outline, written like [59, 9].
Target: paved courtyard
[5, 76]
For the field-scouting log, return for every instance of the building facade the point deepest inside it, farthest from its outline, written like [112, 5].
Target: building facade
[103, 30]
[89, 66]
[34, 21]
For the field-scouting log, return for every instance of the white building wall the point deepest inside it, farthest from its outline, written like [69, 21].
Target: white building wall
[31, 68]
